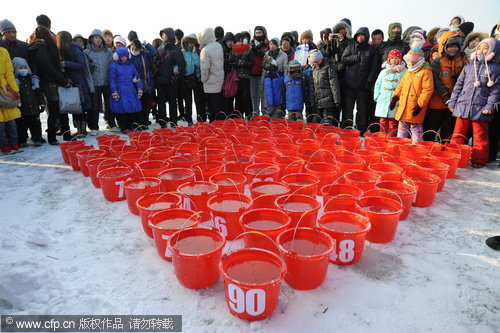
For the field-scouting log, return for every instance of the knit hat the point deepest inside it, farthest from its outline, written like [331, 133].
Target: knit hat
[5, 26]
[315, 55]
[18, 62]
[228, 36]
[416, 51]
[219, 32]
[395, 54]
[489, 56]
[294, 65]
[43, 20]
[306, 34]
[120, 39]
[275, 40]
[466, 27]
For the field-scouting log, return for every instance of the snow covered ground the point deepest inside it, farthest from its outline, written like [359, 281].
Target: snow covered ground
[65, 250]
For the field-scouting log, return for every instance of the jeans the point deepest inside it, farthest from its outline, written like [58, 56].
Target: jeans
[8, 133]
[257, 94]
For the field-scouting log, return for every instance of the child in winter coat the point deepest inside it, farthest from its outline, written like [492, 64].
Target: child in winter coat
[126, 91]
[386, 83]
[32, 104]
[273, 86]
[294, 91]
[445, 68]
[8, 131]
[325, 88]
[475, 97]
[413, 93]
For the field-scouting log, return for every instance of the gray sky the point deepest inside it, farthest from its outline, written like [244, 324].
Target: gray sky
[277, 16]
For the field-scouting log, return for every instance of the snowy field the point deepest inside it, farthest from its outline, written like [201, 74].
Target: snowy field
[65, 250]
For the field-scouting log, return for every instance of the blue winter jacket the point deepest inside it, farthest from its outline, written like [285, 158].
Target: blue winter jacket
[121, 80]
[294, 92]
[385, 85]
[75, 68]
[470, 101]
[192, 60]
[308, 95]
[137, 60]
[274, 86]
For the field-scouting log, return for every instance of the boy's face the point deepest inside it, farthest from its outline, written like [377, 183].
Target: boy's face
[124, 59]
[259, 33]
[305, 41]
[317, 63]
[394, 61]
[396, 28]
[452, 50]
[377, 40]
[285, 45]
[229, 43]
[96, 40]
[10, 35]
[108, 39]
[80, 42]
[483, 48]
[360, 38]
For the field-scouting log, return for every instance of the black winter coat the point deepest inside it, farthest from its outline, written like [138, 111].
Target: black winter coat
[169, 55]
[362, 62]
[388, 46]
[30, 99]
[242, 62]
[334, 50]
[325, 85]
[16, 48]
[227, 51]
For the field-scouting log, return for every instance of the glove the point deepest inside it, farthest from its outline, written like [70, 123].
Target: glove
[394, 100]
[139, 93]
[69, 84]
[115, 96]
[416, 110]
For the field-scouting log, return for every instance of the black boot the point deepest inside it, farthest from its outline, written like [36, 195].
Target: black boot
[67, 136]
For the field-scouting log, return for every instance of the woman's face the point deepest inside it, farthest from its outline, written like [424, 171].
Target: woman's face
[483, 48]
[285, 45]
[80, 42]
[239, 43]
[134, 49]
[273, 47]
[473, 43]
[109, 39]
[118, 45]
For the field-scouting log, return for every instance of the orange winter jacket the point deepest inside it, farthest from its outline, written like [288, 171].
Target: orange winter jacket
[446, 71]
[415, 88]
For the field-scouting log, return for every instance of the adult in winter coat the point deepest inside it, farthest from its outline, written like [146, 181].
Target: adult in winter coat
[475, 97]
[100, 57]
[306, 38]
[126, 91]
[212, 72]
[44, 59]
[9, 40]
[191, 75]
[8, 130]
[259, 45]
[393, 42]
[241, 59]
[141, 57]
[446, 69]
[169, 64]
[277, 54]
[325, 87]
[338, 41]
[74, 64]
[413, 93]
[361, 61]
[227, 45]
[386, 84]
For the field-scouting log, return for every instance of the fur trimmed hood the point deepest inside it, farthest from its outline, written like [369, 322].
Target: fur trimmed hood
[306, 34]
[189, 39]
[472, 36]
[345, 25]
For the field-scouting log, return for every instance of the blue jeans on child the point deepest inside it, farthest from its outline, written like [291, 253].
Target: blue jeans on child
[8, 133]
[415, 130]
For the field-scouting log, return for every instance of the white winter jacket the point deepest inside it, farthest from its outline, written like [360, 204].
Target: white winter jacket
[211, 62]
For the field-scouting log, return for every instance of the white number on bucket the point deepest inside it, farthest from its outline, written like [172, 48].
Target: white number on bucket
[253, 302]
[121, 190]
[346, 253]
[186, 203]
[168, 253]
[220, 223]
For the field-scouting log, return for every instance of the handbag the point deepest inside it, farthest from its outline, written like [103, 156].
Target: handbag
[9, 98]
[70, 100]
[230, 85]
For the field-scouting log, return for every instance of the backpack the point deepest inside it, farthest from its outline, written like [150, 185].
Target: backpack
[230, 85]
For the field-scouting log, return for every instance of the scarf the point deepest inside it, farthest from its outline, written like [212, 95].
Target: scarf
[274, 54]
[416, 67]
[395, 69]
[240, 49]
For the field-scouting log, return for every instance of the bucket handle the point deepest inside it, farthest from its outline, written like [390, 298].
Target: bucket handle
[251, 232]
[384, 190]
[435, 132]
[376, 123]
[347, 196]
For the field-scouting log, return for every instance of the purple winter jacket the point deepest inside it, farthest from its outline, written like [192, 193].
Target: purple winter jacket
[470, 101]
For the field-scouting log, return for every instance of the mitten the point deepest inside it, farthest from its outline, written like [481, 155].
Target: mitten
[416, 110]
[115, 96]
[394, 100]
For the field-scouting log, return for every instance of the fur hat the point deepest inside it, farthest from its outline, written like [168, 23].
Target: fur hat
[466, 27]
[5, 26]
[107, 32]
[473, 35]
[315, 55]
[287, 36]
[121, 40]
[431, 35]
[191, 38]
[306, 34]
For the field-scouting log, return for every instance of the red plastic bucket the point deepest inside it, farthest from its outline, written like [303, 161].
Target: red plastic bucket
[204, 170]
[211, 154]
[182, 161]
[436, 167]
[225, 209]
[196, 253]
[383, 214]
[116, 151]
[229, 182]
[270, 222]
[237, 163]
[165, 222]
[186, 148]
[365, 180]
[340, 197]
[306, 253]
[350, 142]
[348, 231]
[413, 152]
[152, 203]
[349, 162]
[131, 158]
[252, 280]
[196, 195]
[405, 191]
[387, 171]
[289, 164]
[273, 189]
[325, 172]
[63, 146]
[136, 188]
[158, 153]
[427, 184]
[370, 156]
[97, 164]
[464, 150]
[112, 180]
[302, 183]
[72, 151]
[262, 172]
[450, 158]
[302, 209]
[150, 168]
[171, 179]
[240, 149]
[84, 156]
[266, 156]
[288, 149]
